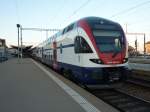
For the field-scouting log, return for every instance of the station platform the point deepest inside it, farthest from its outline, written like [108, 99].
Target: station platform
[138, 63]
[28, 86]
[139, 66]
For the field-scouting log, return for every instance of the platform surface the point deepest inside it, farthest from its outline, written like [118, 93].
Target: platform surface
[138, 63]
[139, 66]
[26, 88]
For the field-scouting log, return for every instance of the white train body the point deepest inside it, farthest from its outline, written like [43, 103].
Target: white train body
[75, 50]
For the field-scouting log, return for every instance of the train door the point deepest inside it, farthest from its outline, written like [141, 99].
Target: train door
[42, 54]
[78, 51]
[79, 57]
[54, 55]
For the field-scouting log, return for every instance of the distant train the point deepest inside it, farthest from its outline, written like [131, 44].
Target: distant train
[91, 51]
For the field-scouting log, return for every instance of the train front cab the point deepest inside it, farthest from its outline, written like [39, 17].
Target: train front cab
[111, 48]
[93, 75]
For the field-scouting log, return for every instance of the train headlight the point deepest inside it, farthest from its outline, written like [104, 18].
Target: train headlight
[98, 61]
[125, 60]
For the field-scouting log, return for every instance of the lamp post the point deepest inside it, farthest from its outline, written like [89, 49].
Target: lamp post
[144, 45]
[18, 26]
[21, 39]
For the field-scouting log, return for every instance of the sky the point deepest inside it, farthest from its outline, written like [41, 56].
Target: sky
[49, 14]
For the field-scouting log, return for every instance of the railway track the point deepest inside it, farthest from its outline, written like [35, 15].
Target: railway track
[138, 88]
[139, 81]
[134, 96]
[122, 101]
[139, 78]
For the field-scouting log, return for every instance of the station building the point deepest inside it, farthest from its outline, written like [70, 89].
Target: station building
[147, 45]
[3, 50]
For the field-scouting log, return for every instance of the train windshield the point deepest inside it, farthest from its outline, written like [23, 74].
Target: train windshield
[108, 41]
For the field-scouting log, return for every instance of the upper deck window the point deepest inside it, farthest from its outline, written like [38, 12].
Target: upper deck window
[68, 28]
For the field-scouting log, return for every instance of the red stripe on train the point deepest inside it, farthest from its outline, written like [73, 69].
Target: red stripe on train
[107, 58]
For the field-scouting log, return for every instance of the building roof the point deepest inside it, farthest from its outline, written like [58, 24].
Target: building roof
[23, 47]
[2, 39]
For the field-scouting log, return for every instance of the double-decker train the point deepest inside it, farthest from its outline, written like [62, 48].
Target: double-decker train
[92, 51]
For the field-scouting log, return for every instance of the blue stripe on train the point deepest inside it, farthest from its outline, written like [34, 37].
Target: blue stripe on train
[85, 75]
[63, 46]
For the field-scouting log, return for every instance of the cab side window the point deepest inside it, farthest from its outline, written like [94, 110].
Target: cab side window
[61, 50]
[77, 45]
[81, 46]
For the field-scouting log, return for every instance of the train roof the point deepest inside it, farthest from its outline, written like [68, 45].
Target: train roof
[101, 23]
[98, 20]
[90, 20]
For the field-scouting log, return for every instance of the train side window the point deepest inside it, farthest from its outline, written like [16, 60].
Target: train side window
[1, 44]
[74, 25]
[77, 45]
[85, 48]
[81, 45]
[70, 27]
[61, 50]
[64, 31]
[50, 57]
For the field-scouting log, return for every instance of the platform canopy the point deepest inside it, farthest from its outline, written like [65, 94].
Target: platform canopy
[25, 49]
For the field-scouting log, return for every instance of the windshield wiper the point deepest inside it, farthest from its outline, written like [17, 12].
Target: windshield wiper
[115, 53]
